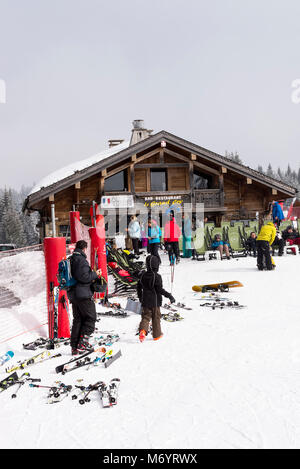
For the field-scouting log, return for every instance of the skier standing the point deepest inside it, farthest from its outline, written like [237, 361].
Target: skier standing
[277, 214]
[154, 234]
[171, 237]
[150, 291]
[134, 231]
[265, 239]
[80, 296]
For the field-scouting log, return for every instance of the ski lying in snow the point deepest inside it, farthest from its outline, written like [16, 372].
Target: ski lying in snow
[60, 368]
[8, 382]
[80, 390]
[182, 306]
[107, 341]
[103, 358]
[41, 357]
[170, 308]
[111, 359]
[222, 287]
[104, 395]
[172, 317]
[120, 313]
[6, 357]
[82, 362]
[175, 308]
[222, 305]
[41, 342]
[113, 390]
[109, 393]
[89, 389]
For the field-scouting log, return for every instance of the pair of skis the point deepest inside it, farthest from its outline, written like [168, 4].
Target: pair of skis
[120, 313]
[172, 317]
[41, 357]
[85, 359]
[108, 392]
[41, 343]
[222, 305]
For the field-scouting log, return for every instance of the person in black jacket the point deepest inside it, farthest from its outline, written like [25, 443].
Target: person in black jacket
[150, 291]
[83, 306]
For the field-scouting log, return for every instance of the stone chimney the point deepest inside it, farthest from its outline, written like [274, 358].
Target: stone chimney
[139, 132]
[114, 143]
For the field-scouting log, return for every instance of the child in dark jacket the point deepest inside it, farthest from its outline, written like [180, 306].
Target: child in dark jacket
[150, 291]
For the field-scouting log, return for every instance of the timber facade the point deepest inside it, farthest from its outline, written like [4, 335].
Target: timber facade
[156, 172]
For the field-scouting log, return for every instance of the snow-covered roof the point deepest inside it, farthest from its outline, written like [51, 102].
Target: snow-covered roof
[72, 168]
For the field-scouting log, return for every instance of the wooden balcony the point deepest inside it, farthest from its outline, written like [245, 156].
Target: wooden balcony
[212, 199]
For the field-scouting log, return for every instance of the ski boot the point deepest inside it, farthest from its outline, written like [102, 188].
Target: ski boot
[84, 344]
[142, 335]
[157, 338]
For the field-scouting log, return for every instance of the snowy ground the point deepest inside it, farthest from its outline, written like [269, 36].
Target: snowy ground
[218, 379]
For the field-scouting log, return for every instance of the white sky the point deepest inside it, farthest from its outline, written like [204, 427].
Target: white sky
[77, 73]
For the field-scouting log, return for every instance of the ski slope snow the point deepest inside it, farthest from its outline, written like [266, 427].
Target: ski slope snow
[218, 379]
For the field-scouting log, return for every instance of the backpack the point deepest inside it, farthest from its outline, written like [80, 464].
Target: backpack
[64, 275]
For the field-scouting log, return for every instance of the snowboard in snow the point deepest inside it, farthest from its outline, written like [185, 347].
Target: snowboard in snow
[217, 286]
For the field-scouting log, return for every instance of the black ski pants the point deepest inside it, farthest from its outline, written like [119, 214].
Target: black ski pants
[263, 255]
[173, 248]
[84, 320]
[136, 246]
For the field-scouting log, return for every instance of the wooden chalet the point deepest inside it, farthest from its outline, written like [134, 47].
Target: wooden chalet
[155, 171]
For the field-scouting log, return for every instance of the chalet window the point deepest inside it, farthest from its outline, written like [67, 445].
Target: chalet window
[158, 180]
[116, 183]
[201, 181]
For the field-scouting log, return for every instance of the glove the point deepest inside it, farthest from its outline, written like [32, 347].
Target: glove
[172, 299]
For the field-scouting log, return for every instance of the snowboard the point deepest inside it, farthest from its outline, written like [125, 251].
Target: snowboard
[217, 286]
[6, 357]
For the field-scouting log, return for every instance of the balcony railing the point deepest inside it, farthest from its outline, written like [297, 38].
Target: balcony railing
[211, 198]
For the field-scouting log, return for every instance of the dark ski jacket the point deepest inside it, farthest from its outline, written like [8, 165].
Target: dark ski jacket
[150, 287]
[84, 275]
[286, 235]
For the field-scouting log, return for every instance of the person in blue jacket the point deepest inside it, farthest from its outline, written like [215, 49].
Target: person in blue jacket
[277, 214]
[154, 235]
[221, 246]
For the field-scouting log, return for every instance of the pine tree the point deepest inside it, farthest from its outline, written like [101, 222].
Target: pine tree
[260, 169]
[11, 225]
[234, 157]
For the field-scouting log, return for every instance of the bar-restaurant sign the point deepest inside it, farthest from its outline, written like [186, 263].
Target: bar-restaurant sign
[165, 201]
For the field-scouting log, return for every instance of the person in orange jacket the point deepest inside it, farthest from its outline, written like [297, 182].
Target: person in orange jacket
[171, 237]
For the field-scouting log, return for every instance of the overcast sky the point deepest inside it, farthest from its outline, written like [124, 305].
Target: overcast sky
[78, 72]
